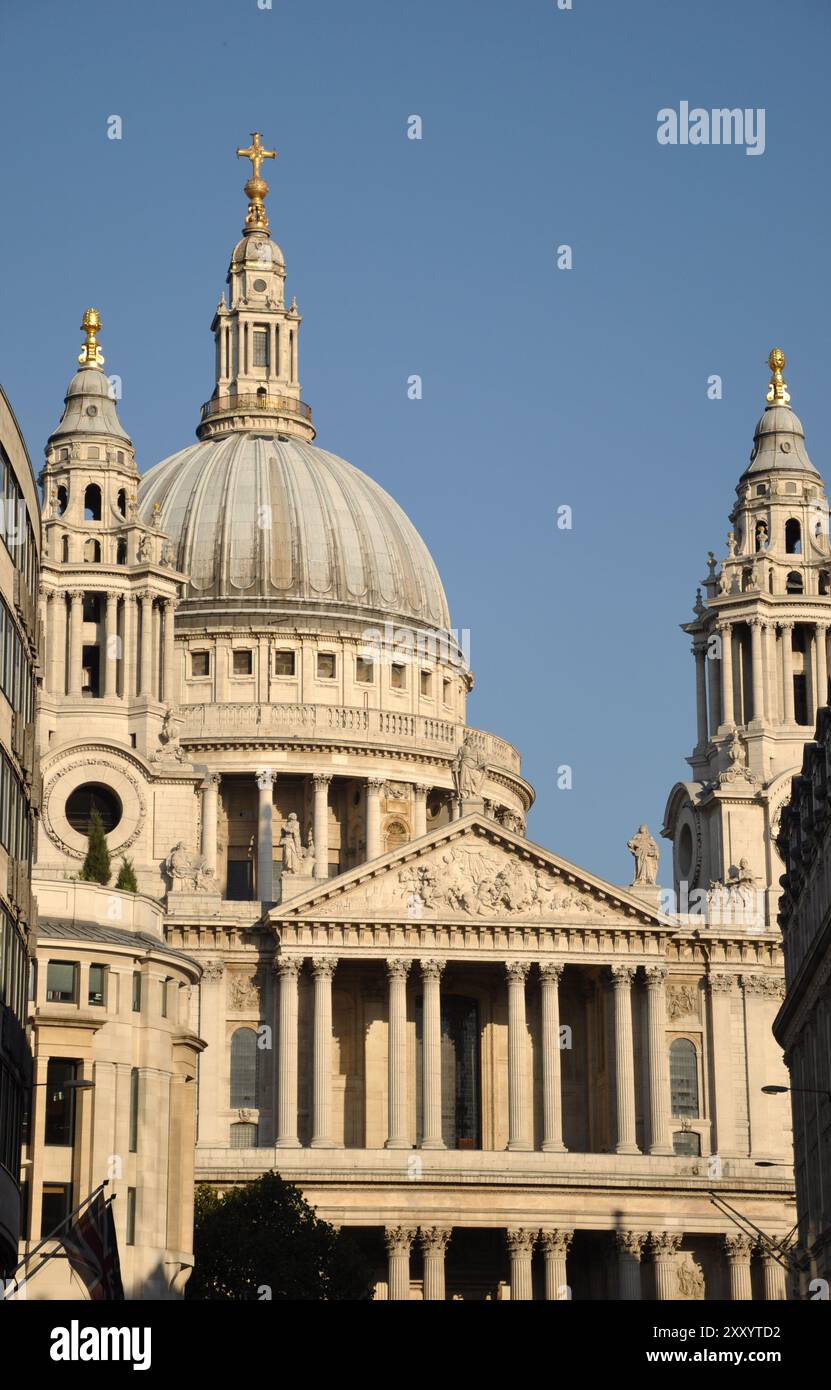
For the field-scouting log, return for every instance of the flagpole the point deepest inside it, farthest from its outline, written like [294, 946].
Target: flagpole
[53, 1254]
[53, 1234]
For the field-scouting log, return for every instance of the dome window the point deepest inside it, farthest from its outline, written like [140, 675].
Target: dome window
[65, 549]
[426, 683]
[260, 347]
[761, 489]
[824, 582]
[121, 553]
[93, 796]
[398, 676]
[200, 663]
[260, 286]
[122, 501]
[364, 670]
[92, 552]
[793, 537]
[284, 663]
[243, 662]
[446, 692]
[326, 666]
[63, 499]
[793, 583]
[92, 502]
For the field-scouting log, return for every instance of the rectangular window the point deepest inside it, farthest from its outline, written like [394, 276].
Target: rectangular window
[97, 985]
[134, 1107]
[243, 662]
[61, 982]
[167, 986]
[60, 1103]
[426, 684]
[284, 663]
[445, 691]
[200, 663]
[326, 666]
[136, 991]
[364, 671]
[260, 347]
[55, 1206]
[398, 676]
[130, 1238]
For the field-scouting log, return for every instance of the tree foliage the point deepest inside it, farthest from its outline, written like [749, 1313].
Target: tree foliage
[96, 867]
[263, 1241]
[126, 880]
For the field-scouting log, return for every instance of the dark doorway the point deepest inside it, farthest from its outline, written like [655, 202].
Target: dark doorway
[460, 1072]
[240, 880]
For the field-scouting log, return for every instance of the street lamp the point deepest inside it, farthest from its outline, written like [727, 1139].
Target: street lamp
[795, 1090]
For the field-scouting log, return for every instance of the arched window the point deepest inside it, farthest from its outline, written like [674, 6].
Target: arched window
[65, 549]
[92, 551]
[244, 1059]
[92, 502]
[824, 582]
[396, 834]
[63, 499]
[121, 553]
[683, 1078]
[793, 583]
[244, 1136]
[793, 537]
[122, 501]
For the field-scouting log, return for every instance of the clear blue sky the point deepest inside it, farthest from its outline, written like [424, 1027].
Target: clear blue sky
[541, 387]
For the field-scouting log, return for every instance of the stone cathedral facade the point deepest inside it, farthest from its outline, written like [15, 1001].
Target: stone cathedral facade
[510, 1078]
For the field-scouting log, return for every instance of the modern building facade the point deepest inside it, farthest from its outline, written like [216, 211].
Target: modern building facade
[19, 796]
[803, 1025]
[509, 1077]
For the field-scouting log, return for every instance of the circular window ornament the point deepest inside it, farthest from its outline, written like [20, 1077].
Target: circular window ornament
[260, 286]
[92, 410]
[785, 446]
[93, 797]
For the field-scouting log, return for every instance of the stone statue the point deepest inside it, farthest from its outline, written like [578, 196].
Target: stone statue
[469, 770]
[169, 750]
[762, 536]
[724, 581]
[188, 872]
[735, 749]
[731, 544]
[167, 554]
[646, 855]
[292, 845]
[690, 1280]
[144, 547]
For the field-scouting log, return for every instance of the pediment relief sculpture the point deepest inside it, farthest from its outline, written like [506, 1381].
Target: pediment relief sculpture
[481, 883]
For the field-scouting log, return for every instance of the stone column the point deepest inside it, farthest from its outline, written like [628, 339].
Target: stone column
[555, 1245]
[728, 712]
[434, 1242]
[397, 1137]
[50, 599]
[622, 977]
[399, 1241]
[659, 1141]
[552, 1108]
[700, 654]
[168, 664]
[265, 835]
[59, 644]
[321, 782]
[774, 1276]
[663, 1247]
[110, 653]
[713, 681]
[210, 817]
[724, 1106]
[373, 817]
[822, 664]
[129, 654]
[521, 1244]
[787, 670]
[146, 669]
[76, 641]
[431, 971]
[629, 1246]
[757, 669]
[517, 973]
[738, 1248]
[288, 970]
[420, 791]
[323, 968]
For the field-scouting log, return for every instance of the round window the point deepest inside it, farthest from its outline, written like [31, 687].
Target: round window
[93, 796]
[92, 410]
[260, 286]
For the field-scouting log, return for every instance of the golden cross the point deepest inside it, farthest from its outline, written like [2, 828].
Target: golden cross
[256, 153]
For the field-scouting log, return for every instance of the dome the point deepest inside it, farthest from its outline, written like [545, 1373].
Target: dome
[89, 407]
[779, 442]
[258, 251]
[338, 546]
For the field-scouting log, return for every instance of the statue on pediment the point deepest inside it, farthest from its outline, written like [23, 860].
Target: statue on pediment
[469, 770]
[646, 855]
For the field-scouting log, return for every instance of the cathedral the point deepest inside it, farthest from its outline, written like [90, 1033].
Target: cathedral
[346, 961]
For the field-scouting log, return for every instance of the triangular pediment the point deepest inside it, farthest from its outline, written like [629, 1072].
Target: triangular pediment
[472, 869]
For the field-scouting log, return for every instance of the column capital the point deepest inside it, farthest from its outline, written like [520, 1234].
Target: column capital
[76, 595]
[288, 967]
[630, 1243]
[622, 975]
[211, 779]
[721, 983]
[321, 779]
[551, 971]
[212, 971]
[655, 975]
[432, 969]
[398, 968]
[422, 788]
[786, 626]
[399, 1239]
[517, 971]
[757, 622]
[434, 1240]
[663, 1244]
[738, 1247]
[556, 1242]
[375, 784]
[324, 967]
[266, 777]
[521, 1240]
[724, 625]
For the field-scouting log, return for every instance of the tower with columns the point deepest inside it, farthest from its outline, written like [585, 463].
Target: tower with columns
[760, 647]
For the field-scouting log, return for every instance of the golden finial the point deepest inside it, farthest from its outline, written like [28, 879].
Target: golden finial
[778, 393]
[256, 219]
[91, 354]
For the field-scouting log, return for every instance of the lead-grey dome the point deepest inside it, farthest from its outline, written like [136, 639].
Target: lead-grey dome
[337, 543]
[779, 443]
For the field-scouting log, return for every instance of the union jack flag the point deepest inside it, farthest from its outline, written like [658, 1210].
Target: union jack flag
[92, 1250]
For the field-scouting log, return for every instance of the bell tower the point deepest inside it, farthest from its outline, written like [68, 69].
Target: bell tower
[760, 646]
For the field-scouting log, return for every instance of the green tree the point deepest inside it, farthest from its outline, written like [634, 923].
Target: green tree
[126, 880]
[263, 1240]
[96, 867]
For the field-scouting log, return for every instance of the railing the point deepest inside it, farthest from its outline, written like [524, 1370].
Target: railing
[254, 402]
[350, 723]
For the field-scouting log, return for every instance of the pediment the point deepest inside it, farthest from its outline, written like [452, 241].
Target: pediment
[472, 869]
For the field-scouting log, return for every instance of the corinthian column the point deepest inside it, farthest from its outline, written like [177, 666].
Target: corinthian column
[521, 1244]
[111, 652]
[663, 1248]
[397, 1137]
[721, 990]
[714, 691]
[629, 1246]
[555, 1245]
[323, 968]
[321, 782]
[552, 1109]
[728, 712]
[434, 1242]
[168, 663]
[822, 664]
[420, 791]
[787, 670]
[210, 816]
[431, 971]
[757, 669]
[700, 654]
[399, 1241]
[265, 835]
[738, 1248]
[774, 1276]
[659, 1142]
[373, 817]
[517, 973]
[146, 670]
[76, 641]
[288, 970]
[622, 976]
